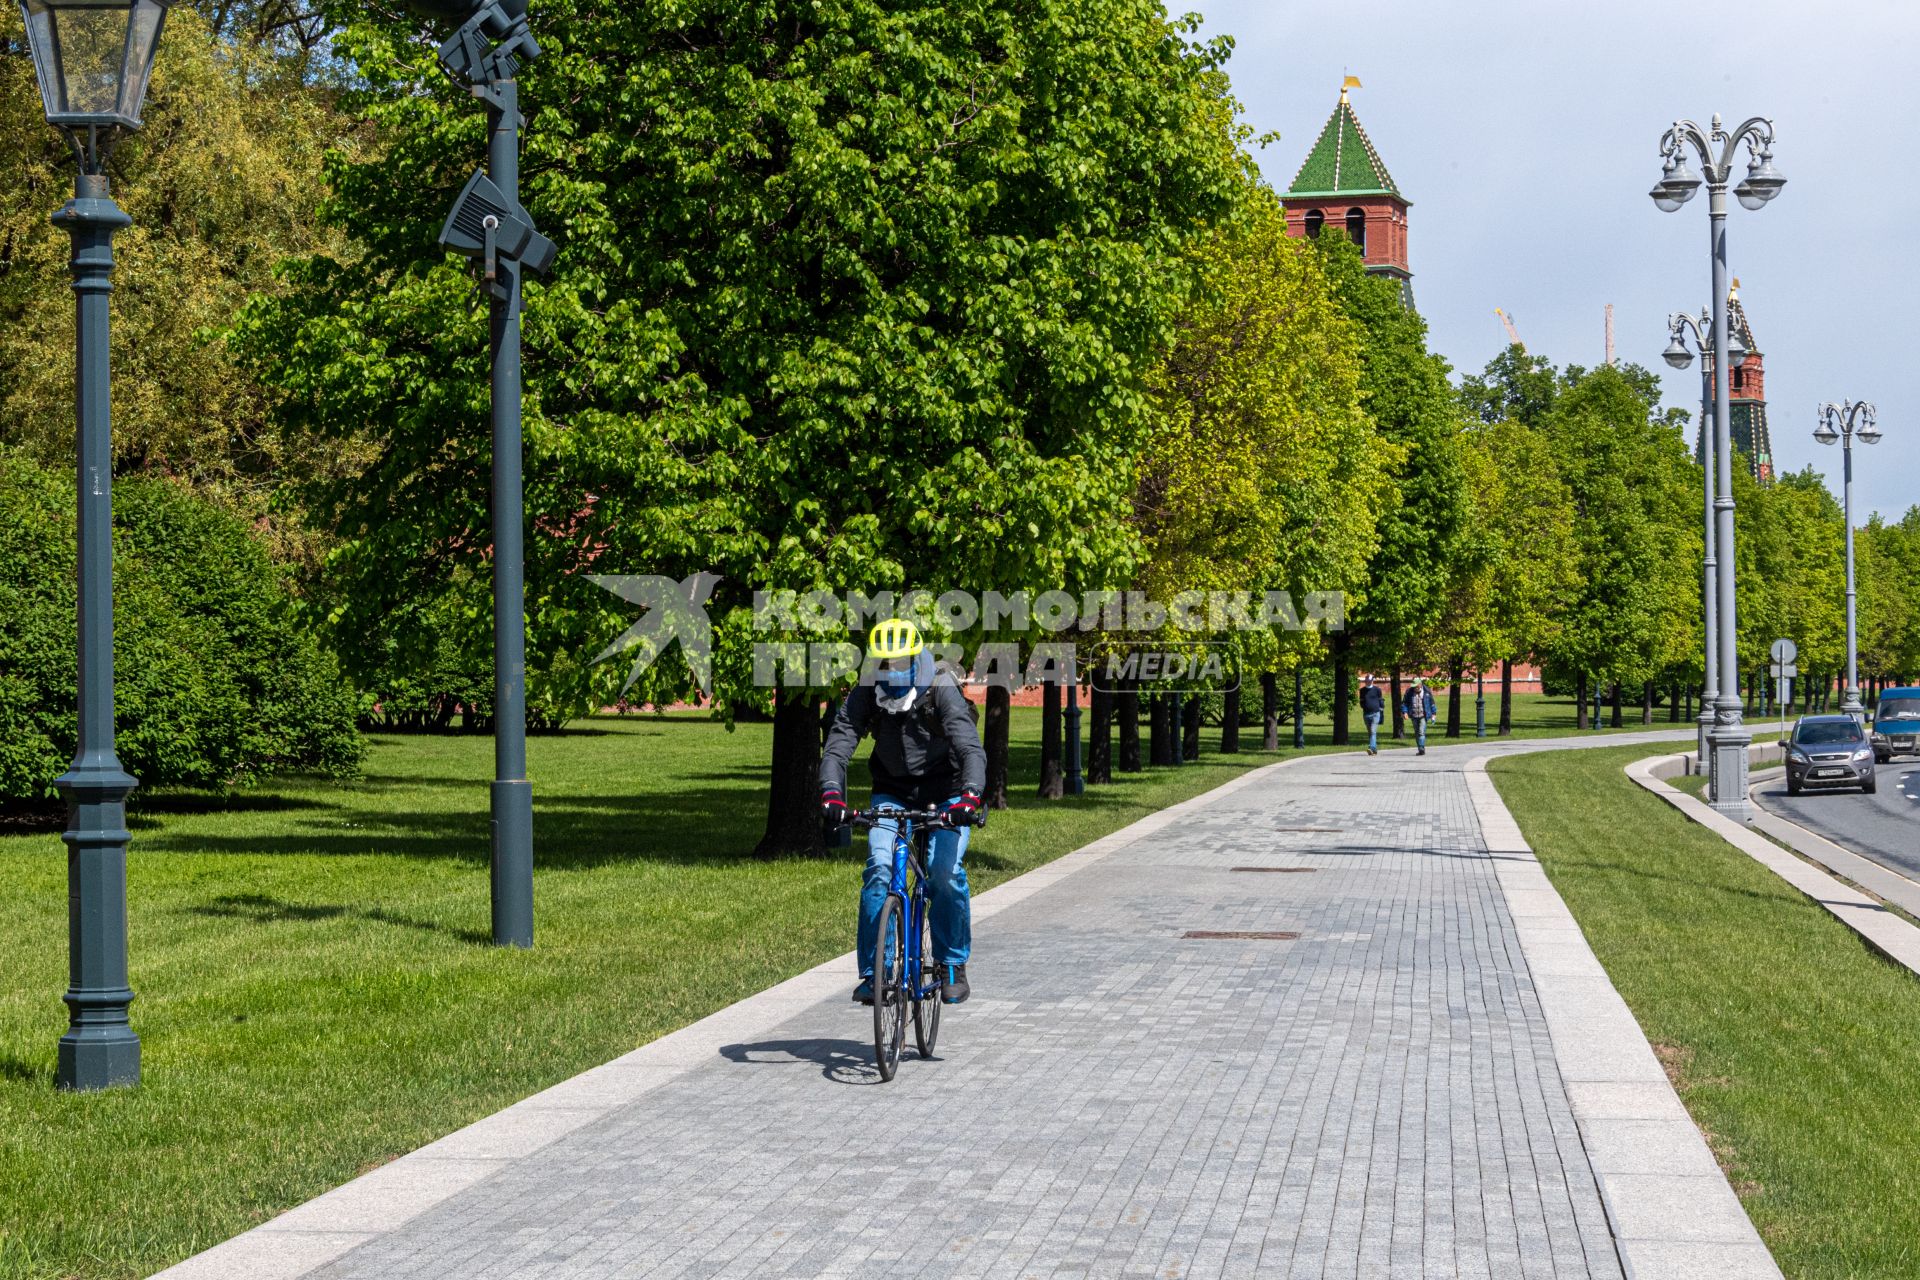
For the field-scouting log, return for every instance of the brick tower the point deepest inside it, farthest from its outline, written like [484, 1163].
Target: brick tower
[1345, 184]
[1747, 395]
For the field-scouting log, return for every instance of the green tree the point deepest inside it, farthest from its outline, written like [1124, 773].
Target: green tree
[1634, 615]
[1415, 409]
[1887, 575]
[1519, 561]
[220, 184]
[851, 296]
[1262, 471]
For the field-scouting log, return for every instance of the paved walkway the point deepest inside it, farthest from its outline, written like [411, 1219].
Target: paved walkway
[1379, 1097]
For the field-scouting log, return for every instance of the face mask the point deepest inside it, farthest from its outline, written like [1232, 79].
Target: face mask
[894, 683]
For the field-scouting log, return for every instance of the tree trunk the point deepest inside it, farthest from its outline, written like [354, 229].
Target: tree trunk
[1580, 701]
[1053, 782]
[1159, 736]
[1506, 696]
[1230, 722]
[1399, 712]
[1128, 703]
[999, 726]
[1269, 712]
[1453, 698]
[1614, 719]
[793, 791]
[1190, 728]
[1341, 690]
[1100, 746]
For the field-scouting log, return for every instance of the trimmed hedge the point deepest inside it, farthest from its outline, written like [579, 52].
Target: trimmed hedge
[214, 684]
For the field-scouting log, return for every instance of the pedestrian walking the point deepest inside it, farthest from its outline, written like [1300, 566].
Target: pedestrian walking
[1373, 707]
[1420, 707]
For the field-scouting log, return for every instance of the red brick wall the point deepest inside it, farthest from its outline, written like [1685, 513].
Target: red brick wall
[1386, 224]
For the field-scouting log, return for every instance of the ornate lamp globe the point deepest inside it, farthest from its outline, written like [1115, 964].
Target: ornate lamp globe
[93, 59]
[1677, 354]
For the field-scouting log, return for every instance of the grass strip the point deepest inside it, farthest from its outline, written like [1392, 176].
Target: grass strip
[1795, 1047]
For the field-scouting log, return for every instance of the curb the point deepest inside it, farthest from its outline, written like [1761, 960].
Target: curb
[1877, 879]
[1882, 929]
[1674, 1215]
[311, 1235]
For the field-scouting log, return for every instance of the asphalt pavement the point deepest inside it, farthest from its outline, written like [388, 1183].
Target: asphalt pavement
[1884, 827]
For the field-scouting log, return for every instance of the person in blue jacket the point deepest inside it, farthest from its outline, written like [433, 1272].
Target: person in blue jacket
[1420, 708]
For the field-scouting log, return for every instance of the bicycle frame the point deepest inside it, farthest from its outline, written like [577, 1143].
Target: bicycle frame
[909, 825]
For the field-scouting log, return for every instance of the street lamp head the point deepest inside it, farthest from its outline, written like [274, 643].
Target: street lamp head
[1678, 182]
[1676, 353]
[1869, 430]
[1762, 183]
[1736, 349]
[1825, 433]
[93, 59]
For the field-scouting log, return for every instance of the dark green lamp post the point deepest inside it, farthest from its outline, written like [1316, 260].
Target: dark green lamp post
[93, 59]
[489, 225]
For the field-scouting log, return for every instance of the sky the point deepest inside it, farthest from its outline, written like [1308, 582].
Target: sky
[1526, 136]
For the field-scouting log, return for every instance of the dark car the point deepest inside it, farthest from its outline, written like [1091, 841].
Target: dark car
[1829, 751]
[1896, 724]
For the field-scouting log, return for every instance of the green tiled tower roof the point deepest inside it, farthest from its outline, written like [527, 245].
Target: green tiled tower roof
[1343, 162]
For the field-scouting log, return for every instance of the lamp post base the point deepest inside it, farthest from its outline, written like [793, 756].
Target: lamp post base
[1729, 782]
[99, 1057]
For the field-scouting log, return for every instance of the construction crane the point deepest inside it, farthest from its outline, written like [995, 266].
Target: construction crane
[1506, 322]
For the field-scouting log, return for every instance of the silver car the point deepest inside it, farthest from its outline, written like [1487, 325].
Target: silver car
[1829, 751]
[1896, 724]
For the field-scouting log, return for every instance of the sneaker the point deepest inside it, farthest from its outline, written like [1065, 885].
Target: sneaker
[1422, 751]
[953, 984]
[863, 994]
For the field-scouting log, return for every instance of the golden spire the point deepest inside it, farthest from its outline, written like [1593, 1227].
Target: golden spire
[1733, 290]
[1346, 83]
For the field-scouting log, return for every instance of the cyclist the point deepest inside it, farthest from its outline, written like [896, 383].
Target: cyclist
[926, 754]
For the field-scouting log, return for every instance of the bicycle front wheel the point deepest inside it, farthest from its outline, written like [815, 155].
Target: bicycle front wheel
[890, 986]
[926, 1010]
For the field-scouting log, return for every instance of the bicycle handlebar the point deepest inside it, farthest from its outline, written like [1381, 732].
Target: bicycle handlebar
[867, 817]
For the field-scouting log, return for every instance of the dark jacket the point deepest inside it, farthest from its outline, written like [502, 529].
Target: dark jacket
[1418, 702]
[1371, 703]
[923, 756]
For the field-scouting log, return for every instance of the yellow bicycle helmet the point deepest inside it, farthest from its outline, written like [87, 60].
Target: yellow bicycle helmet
[894, 638]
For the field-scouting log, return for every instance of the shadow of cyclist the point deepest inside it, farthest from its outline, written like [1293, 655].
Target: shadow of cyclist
[841, 1061]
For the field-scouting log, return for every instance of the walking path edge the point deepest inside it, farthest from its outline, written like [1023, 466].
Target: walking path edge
[1673, 1213]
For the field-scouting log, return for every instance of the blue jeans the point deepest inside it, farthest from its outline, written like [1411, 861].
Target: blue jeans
[1419, 730]
[949, 913]
[1373, 729]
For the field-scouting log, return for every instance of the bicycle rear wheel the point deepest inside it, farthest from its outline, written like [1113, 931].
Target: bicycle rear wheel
[926, 1009]
[890, 986]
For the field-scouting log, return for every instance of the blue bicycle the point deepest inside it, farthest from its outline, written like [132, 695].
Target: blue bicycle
[903, 973]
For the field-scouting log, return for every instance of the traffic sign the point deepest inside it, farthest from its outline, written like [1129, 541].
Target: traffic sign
[1783, 670]
[1784, 650]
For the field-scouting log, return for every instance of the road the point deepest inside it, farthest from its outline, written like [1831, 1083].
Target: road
[1884, 827]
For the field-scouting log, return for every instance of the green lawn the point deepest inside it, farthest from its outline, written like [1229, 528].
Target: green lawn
[1795, 1047]
[315, 995]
